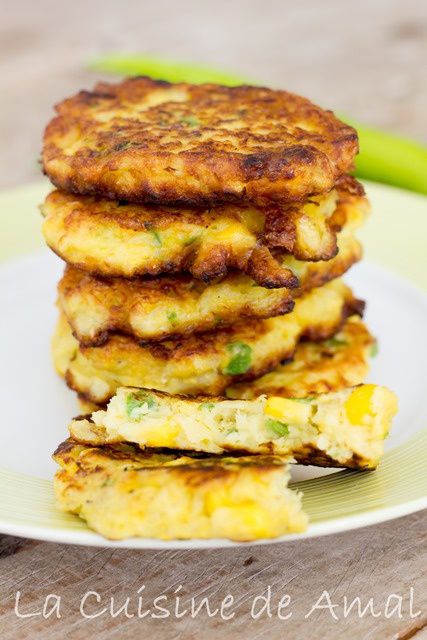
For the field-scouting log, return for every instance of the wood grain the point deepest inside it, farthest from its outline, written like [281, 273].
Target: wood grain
[370, 563]
[366, 59]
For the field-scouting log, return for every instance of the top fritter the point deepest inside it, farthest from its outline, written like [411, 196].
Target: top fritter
[151, 141]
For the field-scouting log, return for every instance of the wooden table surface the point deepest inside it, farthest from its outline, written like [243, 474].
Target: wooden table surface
[365, 58]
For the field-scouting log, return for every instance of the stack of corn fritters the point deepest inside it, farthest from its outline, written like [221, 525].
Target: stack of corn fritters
[205, 230]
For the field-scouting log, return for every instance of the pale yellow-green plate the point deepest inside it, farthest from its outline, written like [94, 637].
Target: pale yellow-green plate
[36, 405]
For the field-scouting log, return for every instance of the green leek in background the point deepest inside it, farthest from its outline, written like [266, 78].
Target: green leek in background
[383, 157]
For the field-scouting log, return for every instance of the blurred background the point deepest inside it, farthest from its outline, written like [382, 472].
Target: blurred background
[365, 58]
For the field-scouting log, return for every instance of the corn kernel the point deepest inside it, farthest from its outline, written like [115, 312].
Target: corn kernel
[164, 436]
[216, 499]
[290, 411]
[358, 404]
[254, 517]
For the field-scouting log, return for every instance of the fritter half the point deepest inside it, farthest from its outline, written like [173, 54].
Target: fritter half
[317, 367]
[172, 306]
[205, 363]
[146, 140]
[344, 429]
[121, 491]
[110, 239]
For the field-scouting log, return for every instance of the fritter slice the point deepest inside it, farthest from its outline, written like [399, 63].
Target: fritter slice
[317, 367]
[172, 306]
[145, 140]
[121, 491]
[110, 239]
[344, 429]
[205, 363]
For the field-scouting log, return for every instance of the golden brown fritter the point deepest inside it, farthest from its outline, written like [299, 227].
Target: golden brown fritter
[327, 366]
[161, 308]
[204, 363]
[107, 239]
[173, 306]
[122, 492]
[343, 429]
[317, 367]
[146, 140]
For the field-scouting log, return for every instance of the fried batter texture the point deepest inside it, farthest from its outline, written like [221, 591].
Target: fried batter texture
[121, 491]
[145, 140]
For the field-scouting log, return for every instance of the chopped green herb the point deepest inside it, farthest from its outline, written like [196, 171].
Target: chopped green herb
[192, 121]
[157, 238]
[154, 233]
[232, 430]
[374, 350]
[139, 404]
[206, 405]
[278, 428]
[241, 357]
[172, 317]
[122, 146]
[190, 240]
[335, 342]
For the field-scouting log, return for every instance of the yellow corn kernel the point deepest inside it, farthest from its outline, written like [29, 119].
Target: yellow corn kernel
[230, 232]
[358, 404]
[247, 514]
[215, 500]
[164, 436]
[254, 517]
[288, 410]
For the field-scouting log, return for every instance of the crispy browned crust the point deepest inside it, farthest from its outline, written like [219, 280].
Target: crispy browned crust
[317, 458]
[99, 460]
[204, 144]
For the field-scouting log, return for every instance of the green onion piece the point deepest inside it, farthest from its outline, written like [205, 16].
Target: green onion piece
[138, 404]
[206, 405]
[335, 342]
[390, 159]
[192, 121]
[241, 357]
[374, 350]
[279, 429]
[156, 235]
[190, 240]
[172, 317]
[157, 238]
[162, 69]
